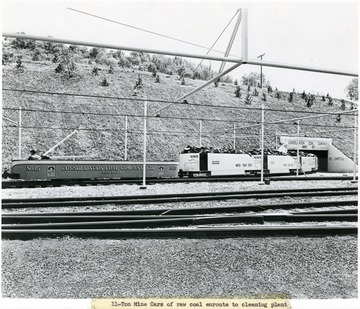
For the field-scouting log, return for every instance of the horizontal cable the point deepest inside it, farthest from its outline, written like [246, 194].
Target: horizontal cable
[163, 101]
[256, 123]
[151, 32]
[105, 129]
[134, 116]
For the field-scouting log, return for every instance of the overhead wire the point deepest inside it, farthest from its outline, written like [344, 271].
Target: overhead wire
[141, 29]
[167, 101]
[256, 123]
[154, 132]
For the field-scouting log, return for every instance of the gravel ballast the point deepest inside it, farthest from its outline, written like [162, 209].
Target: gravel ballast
[167, 188]
[75, 268]
[89, 268]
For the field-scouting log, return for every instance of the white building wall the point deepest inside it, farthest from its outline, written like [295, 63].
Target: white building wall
[339, 162]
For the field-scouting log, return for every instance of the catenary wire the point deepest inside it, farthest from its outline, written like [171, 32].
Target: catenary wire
[144, 30]
[167, 117]
[167, 101]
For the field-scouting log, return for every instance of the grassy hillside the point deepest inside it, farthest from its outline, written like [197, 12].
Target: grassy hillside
[101, 121]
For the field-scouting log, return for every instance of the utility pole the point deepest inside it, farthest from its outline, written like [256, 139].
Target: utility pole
[126, 138]
[261, 56]
[262, 143]
[298, 165]
[234, 136]
[355, 147]
[144, 147]
[262, 127]
[19, 133]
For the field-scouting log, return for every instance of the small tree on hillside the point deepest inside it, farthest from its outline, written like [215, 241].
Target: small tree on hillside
[291, 96]
[237, 92]
[330, 102]
[19, 66]
[263, 96]
[104, 82]
[7, 57]
[93, 52]
[248, 99]
[55, 58]
[343, 106]
[352, 91]
[19, 43]
[66, 65]
[303, 95]
[253, 79]
[37, 55]
[95, 71]
[310, 101]
[124, 63]
[152, 68]
[138, 83]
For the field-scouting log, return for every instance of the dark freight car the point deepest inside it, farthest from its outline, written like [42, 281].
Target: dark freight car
[60, 169]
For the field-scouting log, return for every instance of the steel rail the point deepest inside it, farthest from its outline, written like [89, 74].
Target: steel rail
[244, 231]
[109, 216]
[187, 221]
[51, 218]
[195, 210]
[332, 211]
[176, 199]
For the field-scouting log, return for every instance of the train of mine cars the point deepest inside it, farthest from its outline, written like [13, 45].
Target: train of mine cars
[193, 162]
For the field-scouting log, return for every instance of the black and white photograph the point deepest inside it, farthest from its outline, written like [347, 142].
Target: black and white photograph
[179, 150]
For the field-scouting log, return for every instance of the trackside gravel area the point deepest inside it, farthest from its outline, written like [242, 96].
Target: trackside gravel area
[167, 188]
[76, 268]
[67, 267]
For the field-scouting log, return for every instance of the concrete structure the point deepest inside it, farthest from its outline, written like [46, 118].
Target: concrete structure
[331, 159]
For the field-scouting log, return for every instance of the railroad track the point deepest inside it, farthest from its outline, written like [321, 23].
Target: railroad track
[194, 222]
[214, 232]
[170, 198]
[195, 213]
[59, 183]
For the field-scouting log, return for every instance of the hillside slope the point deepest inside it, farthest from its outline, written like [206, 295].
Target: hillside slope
[47, 118]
